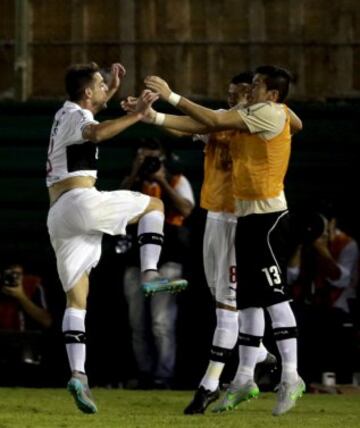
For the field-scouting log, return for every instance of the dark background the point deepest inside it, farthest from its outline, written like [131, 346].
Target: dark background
[324, 166]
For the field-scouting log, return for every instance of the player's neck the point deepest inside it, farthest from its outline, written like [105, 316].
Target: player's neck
[88, 105]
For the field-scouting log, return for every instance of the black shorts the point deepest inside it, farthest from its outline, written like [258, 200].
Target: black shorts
[262, 249]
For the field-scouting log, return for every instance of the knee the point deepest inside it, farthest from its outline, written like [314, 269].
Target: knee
[76, 304]
[76, 301]
[163, 325]
[225, 338]
[281, 315]
[171, 270]
[163, 330]
[155, 204]
[252, 321]
[76, 297]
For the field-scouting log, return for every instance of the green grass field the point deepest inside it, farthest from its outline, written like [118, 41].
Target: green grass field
[40, 408]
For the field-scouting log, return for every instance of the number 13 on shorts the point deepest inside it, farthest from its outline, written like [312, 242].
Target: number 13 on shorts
[272, 275]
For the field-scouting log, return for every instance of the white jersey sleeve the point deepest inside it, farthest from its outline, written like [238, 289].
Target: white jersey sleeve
[79, 120]
[267, 119]
[69, 154]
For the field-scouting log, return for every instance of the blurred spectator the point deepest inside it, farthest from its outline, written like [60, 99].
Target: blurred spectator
[324, 276]
[153, 319]
[23, 318]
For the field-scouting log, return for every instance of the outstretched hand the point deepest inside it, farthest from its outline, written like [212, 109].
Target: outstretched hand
[117, 74]
[145, 101]
[141, 104]
[129, 104]
[159, 85]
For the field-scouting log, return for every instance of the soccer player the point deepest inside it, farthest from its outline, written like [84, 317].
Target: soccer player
[260, 152]
[218, 248]
[79, 214]
[219, 251]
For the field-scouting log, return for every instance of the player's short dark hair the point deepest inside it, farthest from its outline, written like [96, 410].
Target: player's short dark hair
[77, 78]
[276, 78]
[245, 77]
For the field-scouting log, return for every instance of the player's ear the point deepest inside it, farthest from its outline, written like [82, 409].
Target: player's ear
[274, 95]
[88, 92]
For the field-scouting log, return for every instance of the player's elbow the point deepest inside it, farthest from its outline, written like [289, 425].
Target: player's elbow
[296, 126]
[187, 209]
[96, 136]
[212, 121]
[93, 133]
[46, 319]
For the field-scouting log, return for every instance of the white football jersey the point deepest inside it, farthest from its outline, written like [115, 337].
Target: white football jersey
[69, 154]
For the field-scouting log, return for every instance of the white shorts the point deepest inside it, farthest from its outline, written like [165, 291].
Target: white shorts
[77, 222]
[219, 256]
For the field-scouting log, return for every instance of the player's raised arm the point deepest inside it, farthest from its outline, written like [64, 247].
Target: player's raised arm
[97, 132]
[117, 74]
[295, 122]
[213, 120]
[129, 105]
[181, 124]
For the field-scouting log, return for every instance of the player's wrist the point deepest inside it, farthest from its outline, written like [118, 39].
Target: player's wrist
[20, 296]
[159, 119]
[139, 115]
[149, 117]
[174, 99]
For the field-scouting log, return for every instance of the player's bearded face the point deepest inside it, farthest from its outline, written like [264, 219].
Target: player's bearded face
[100, 90]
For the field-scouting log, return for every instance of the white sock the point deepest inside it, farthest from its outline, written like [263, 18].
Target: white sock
[226, 331]
[151, 222]
[211, 378]
[282, 316]
[289, 373]
[225, 337]
[288, 352]
[244, 374]
[252, 323]
[74, 321]
[262, 354]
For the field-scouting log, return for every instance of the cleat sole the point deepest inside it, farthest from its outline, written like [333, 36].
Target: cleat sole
[173, 287]
[252, 394]
[76, 389]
